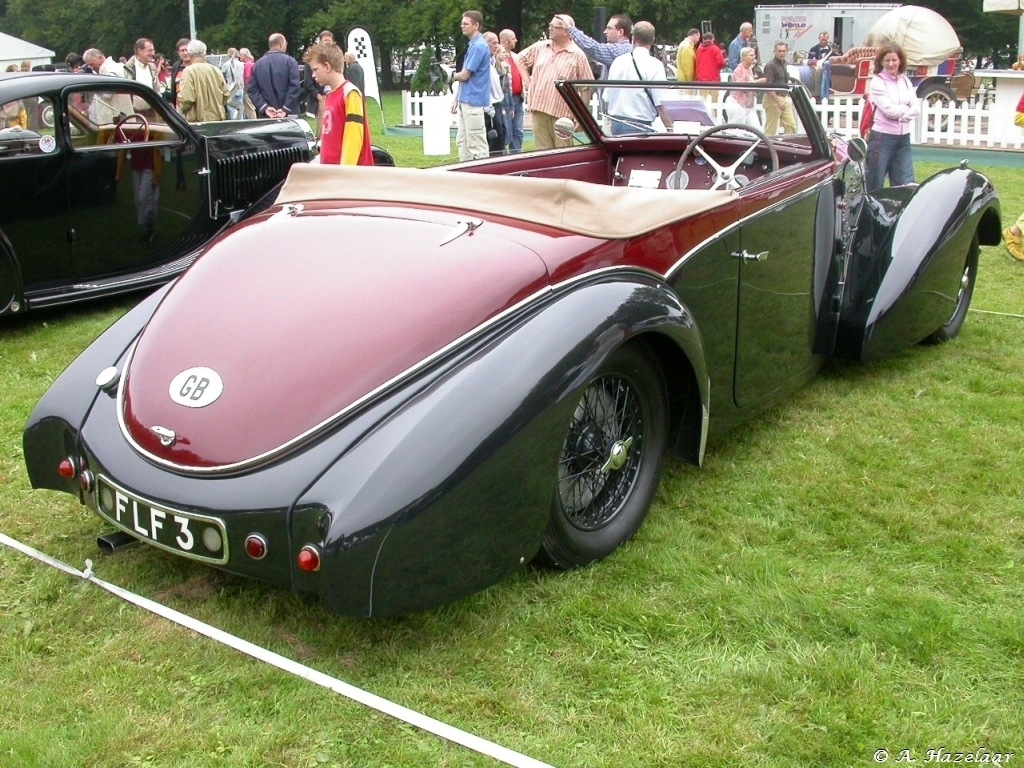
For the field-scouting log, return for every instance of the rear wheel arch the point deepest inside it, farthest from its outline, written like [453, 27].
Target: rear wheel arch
[686, 407]
[990, 227]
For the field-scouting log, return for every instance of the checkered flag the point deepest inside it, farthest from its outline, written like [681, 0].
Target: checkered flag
[359, 44]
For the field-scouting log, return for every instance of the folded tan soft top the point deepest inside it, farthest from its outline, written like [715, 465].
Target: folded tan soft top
[575, 206]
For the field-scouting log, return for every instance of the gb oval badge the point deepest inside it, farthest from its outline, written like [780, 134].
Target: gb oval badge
[196, 387]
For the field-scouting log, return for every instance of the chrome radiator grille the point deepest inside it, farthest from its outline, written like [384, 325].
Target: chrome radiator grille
[242, 179]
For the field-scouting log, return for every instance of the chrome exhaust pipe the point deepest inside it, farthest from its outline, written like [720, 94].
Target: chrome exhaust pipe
[109, 543]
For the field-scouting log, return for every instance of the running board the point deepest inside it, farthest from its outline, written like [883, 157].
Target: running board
[85, 290]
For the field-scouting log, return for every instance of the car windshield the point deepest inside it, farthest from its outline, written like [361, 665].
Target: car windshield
[631, 109]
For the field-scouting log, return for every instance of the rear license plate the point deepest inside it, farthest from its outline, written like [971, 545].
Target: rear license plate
[183, 533]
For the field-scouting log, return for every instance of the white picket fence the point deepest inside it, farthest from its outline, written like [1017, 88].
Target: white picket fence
[412, 107]
[972, 123]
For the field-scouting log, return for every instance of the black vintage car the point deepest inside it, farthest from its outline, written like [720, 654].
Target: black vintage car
[88, 155]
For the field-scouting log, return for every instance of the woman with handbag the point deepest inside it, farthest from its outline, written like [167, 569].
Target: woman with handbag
[895, 105]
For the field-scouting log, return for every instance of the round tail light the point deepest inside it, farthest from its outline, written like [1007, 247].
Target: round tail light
[86, 480]
[309, 559]
[256, 546]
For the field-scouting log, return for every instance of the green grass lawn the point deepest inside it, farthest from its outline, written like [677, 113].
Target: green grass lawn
[845, 574]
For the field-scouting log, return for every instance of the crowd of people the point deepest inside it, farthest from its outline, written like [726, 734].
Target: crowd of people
[244, 87]
[492, 83]
[493, 79]
[13, 113]
[490, 89]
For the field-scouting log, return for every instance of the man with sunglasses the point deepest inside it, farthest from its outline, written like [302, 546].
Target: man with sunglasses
[548, 61]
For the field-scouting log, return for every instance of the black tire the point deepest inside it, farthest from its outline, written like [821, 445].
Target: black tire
[963, 299]
[610, 463]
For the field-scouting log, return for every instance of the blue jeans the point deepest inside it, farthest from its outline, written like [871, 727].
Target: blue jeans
[889, 155]
[826, 78]
[235, 107]
[514, 123]
[624, 126]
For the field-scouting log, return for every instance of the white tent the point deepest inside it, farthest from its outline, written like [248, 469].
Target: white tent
[1013, 7]
[15, 51]
[924, 35]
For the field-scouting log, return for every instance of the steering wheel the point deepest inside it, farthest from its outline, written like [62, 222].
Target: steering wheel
[726, 177]
[119, 134]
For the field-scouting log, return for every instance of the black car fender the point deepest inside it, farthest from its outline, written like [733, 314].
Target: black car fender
[451, 491]
[57, 419]
[908, 258]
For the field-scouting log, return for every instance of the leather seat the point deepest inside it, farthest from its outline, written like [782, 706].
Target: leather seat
[858, 63]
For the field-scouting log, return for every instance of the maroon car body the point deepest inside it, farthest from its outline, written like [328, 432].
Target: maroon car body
[393, 387]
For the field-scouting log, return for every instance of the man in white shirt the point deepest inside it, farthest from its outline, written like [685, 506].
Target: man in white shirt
[142, 69]
[107, 108]
[633, 110]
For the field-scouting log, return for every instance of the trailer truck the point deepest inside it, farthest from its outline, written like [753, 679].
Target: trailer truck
[799, 25]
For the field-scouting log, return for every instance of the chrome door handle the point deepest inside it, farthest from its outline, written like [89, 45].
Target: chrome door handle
[746, 256]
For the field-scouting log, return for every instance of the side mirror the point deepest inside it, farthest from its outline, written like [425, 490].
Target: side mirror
[857, 149]
[564, 128]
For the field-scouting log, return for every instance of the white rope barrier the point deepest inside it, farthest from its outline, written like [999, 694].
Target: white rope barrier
[997, 314]
[397, 711]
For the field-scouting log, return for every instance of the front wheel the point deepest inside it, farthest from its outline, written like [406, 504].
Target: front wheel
[965, 291]
[610, 462]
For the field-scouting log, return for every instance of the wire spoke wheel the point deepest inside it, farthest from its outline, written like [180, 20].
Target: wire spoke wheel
[600, 456]
[610, 461]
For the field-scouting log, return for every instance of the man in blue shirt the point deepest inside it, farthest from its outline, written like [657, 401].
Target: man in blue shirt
[821, 53]
[474, 90]
[617, 34]
[739, 42]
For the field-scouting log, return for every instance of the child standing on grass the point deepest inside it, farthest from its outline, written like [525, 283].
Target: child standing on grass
[344, 134]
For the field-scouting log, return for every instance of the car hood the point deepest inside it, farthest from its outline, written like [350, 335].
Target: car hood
[295, 317]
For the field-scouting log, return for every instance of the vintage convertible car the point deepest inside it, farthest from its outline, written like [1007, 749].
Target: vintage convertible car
[70, 186]
[425, 379]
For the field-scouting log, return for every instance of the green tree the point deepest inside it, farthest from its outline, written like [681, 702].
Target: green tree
[114, 25]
